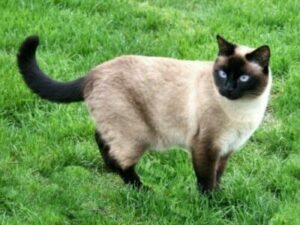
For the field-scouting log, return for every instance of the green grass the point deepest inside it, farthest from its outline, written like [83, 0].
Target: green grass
[50, 169]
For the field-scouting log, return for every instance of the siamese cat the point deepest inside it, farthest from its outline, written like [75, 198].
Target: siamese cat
[137, 102]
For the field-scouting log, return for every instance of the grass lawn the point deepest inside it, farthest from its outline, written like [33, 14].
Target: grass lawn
[50, 168]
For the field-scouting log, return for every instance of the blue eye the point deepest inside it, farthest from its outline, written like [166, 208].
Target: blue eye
[244, 78]
[222, 74]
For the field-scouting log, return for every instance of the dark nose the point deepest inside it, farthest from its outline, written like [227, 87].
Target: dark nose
[229, 87]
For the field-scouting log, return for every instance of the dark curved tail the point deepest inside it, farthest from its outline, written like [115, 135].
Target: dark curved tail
[40, 83]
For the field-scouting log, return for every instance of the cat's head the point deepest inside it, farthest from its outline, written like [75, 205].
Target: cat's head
[241, 72]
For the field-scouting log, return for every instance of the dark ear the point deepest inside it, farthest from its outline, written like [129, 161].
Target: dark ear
[225, 47]
[260, 55]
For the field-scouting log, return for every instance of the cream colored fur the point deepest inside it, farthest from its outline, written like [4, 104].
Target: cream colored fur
[150, 102]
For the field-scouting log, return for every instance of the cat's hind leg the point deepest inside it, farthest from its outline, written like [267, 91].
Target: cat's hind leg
[121, 160]
[104, 151]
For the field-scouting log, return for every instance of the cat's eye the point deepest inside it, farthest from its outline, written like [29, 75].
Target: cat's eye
[222, 74]
[244, 78]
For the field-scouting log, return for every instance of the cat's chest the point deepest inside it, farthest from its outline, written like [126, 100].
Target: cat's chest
[233, 137]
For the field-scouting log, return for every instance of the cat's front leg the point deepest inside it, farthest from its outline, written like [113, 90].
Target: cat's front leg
[205, 161]
[221, 166]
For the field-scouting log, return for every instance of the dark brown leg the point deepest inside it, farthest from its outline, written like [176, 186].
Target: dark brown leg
[128, 175]
[205, 158]
[104, 149]
[221, 167]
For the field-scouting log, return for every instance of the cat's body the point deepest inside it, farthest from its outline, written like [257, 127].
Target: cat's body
[166, 101]
[141, 103]
[157, 86]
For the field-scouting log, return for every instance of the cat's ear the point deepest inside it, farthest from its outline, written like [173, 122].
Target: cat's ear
[261, 56]
[225, 47]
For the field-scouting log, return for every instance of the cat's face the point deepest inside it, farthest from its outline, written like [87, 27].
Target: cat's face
[240, 72]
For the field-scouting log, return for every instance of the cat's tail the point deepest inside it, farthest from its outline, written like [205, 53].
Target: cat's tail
[40, 83]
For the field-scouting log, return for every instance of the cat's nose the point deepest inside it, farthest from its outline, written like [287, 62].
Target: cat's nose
[229, 89]
[229, 86]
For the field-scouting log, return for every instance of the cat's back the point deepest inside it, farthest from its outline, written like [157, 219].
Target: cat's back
[148, 65]
[146, 72]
